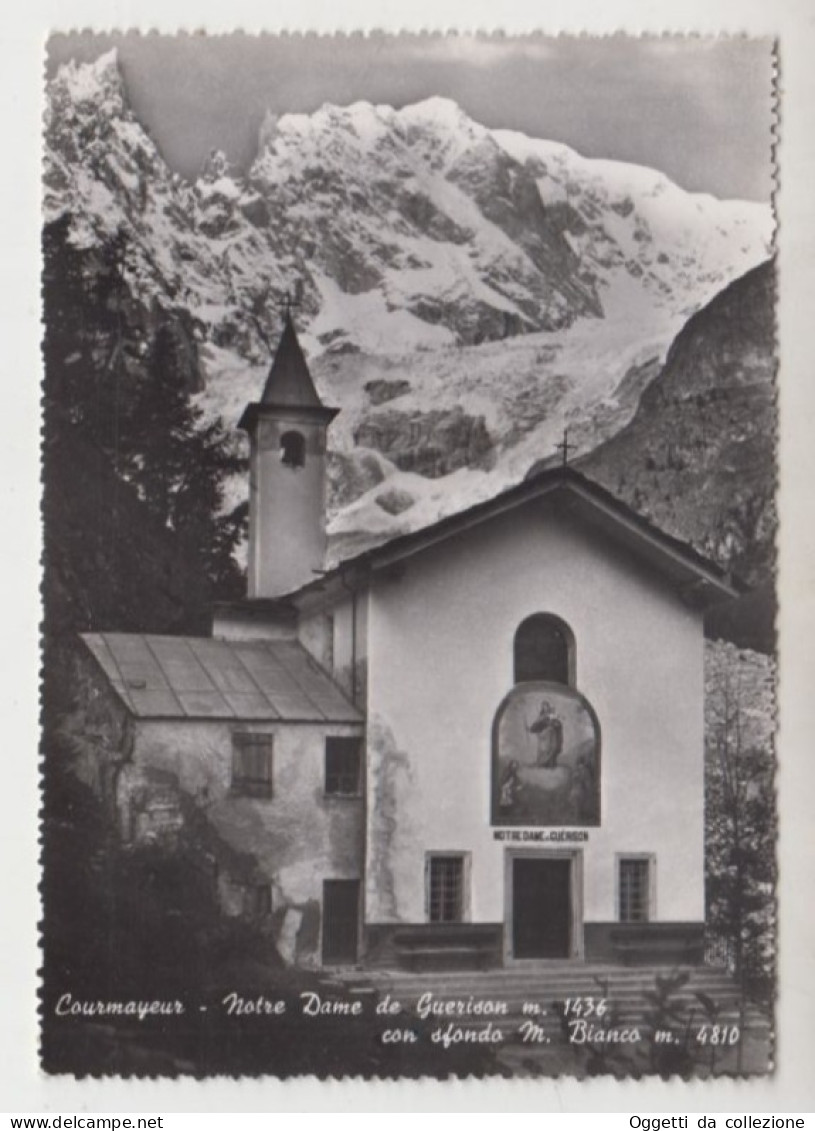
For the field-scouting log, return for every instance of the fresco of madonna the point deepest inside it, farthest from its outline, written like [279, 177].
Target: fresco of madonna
[546, 758]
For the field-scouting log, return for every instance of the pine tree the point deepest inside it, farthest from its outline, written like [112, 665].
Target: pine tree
[133, 477]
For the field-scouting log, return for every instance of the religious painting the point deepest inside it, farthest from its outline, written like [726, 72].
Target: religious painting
[546, 758]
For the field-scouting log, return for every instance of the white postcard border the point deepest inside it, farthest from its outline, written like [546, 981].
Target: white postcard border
[25, 1088]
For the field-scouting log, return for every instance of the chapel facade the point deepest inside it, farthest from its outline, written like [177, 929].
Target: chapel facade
[477, 744]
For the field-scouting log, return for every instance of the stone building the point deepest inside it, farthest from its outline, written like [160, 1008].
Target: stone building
[479, 743]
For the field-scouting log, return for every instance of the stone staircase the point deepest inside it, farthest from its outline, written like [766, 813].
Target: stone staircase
[644, 998]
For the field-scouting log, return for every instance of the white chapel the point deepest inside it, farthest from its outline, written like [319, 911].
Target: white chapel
[475, 745]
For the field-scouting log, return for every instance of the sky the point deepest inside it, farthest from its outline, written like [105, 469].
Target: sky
[698, 109]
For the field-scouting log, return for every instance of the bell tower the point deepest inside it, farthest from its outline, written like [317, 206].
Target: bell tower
[287, 474]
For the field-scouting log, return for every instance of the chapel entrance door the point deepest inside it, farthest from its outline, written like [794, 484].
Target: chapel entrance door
[340, 921]
[541, 907]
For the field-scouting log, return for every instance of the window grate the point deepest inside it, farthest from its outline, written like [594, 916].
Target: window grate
[635, 878]
[446, 889]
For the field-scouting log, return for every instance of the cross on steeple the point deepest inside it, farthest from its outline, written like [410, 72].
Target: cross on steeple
[565, 447]
[288, 303]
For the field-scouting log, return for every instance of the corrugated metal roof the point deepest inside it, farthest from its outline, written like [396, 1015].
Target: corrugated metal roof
[197, 677]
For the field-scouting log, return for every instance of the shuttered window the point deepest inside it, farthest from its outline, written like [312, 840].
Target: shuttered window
[257, 901]
[252, 765]
[635, 889]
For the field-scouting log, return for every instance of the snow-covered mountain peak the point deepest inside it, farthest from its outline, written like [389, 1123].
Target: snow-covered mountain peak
[355, 126]
[216, 166]
[407, 227]
[96, 81]
[439, 113]
[435, 132]
[437, 262]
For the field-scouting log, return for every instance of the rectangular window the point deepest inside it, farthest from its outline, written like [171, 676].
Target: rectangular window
[343, 765]
[252, 765]
[257, 901]
[445, 888]
[635, 876]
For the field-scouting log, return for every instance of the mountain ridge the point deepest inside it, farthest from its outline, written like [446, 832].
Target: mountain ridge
[98, 157]
[463, 293]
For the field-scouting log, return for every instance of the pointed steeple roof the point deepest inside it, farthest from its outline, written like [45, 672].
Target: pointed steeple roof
[289, 382]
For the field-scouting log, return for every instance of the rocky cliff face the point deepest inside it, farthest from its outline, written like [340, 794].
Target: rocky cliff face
[430, 443]
[698, 457]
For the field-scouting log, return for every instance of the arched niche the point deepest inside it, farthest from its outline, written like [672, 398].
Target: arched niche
[544, 649]
[545, 758]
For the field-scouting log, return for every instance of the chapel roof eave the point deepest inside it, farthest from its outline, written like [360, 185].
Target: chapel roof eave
[700, 581]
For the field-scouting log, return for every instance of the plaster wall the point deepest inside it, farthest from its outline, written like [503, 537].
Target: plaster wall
[316, 633]
[293, 840]
[441, 660]
[99, 730]
[250, 624]
[350, 622]
[337, 637]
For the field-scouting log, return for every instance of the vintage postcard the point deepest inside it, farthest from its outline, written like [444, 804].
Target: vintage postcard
[409, 464]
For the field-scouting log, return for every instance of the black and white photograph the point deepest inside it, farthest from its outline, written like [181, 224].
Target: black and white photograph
[409, 421]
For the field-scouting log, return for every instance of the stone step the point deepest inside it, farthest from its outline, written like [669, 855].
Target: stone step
[549, 969]
[753, 1016]
[548, 988]
[547, 993]
[560, 988]
[624, 989]
[515, 1002]
[629, 1008]
[511, 1028]
[487, 977]
[628, 1013]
